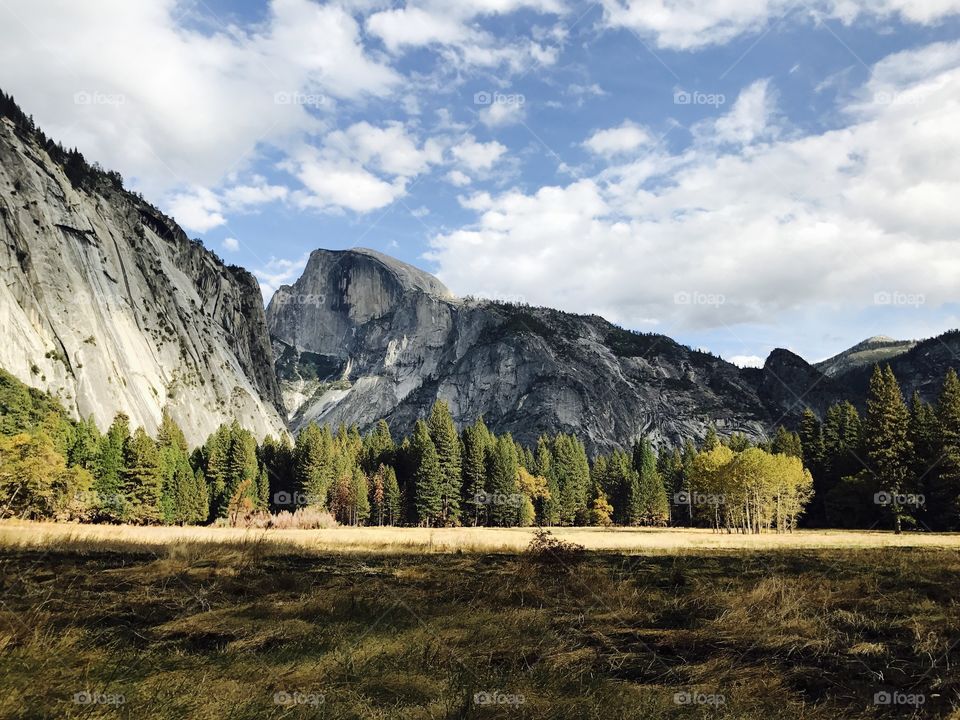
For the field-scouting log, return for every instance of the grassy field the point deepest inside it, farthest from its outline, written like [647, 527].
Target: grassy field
[220, 625]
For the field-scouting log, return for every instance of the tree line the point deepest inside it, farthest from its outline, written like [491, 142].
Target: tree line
[898, 465]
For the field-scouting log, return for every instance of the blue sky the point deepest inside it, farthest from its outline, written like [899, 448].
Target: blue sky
[739, 175]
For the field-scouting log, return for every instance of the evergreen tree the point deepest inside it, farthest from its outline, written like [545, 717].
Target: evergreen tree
[378, 448]
[313, 465]
[944, 484]
[505, 505]
[886, 439]
[572, 471]
[392, 500]
[548, 510]
[649, 505]
[108, 478]
[359, 492]
[276, 456]
[786, 443]
[445, 440]
[142, 480]
[427, 478]
[711, 440]
[476, 441]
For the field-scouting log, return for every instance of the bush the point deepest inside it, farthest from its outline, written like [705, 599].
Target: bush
[549, 550]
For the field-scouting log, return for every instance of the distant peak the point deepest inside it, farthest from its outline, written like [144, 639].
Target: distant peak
[878, 339]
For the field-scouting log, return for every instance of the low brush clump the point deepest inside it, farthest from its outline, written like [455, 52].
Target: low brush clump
[306, 518]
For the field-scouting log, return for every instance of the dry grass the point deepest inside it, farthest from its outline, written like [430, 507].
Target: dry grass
[214, 623]
[20, 534]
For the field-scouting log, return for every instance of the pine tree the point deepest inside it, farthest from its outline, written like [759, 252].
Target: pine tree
[786, 443]
[276, 456]
[572, 471]
[393, 502]
[359, 495]
[313, 465]
[711, 440]
[650, 505]
[85, 450]
[445, 440]
[886, 438]
[548, 510]
[142, 475]
[108, 478]
[427, 477]
[378, 448]
[945, 483]
[476, 441]
[505, 505]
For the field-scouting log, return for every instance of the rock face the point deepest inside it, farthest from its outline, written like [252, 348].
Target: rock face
[107, 304]
[879, 349]
[362, 336]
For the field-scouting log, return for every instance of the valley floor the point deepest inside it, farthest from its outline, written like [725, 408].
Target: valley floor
[247, 629]
[20, 534]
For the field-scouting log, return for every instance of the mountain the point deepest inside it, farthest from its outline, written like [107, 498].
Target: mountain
[362, 336]
[878, 349]
[109, 306]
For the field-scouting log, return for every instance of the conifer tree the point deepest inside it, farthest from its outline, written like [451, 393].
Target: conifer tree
[142, 475]
[108, 478]
[572, 471]
[886, 439]
[945, 483]
[427, 477]
[392, 500]
[505, 499]
[313, 464]
[378, 448]
[476, 441]
[649, 505]
[445, 440]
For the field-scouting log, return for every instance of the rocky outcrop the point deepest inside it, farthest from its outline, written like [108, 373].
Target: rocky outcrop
[108, 305]
[362, 336]
[878, 349]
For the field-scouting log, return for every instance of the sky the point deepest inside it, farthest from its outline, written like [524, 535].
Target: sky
[737, 174]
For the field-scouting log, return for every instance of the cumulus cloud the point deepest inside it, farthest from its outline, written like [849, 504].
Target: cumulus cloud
[279, 271]
[720, 234]
[231, 244]
[613, 141]
[688, 25]
[172, 107]
[478, 156]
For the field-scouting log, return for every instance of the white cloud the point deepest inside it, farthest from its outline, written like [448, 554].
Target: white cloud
[478, 156]
[460, 179]
[332, 184]
[499, 114]
[613, 141]
[172, 107]
[687, 24]
[451, 25]
[231, 244]
[721, 235]
[279, 271]
[242, 197]
[749, 119]
[389, 149]
[198, 210]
